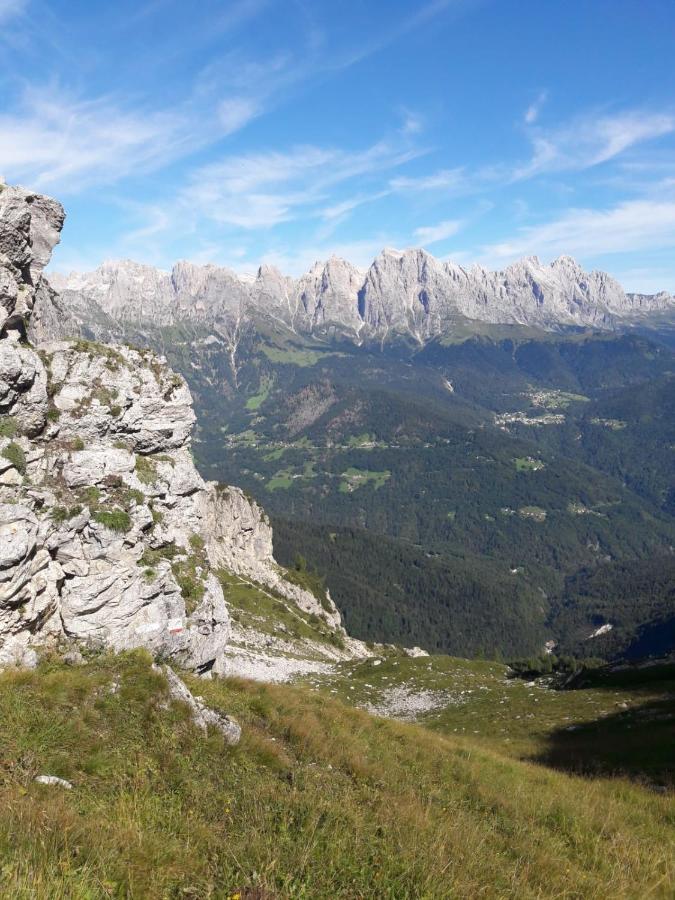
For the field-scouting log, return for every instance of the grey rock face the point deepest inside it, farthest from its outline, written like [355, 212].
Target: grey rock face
[413, 292]
[329, 297]
[30, 225]
[405, 292]
[110, 516]
[23, 386]
[50, 317]
[118, 392]
[240, 539]
[83, 554]
[108, 534]
[408, 293]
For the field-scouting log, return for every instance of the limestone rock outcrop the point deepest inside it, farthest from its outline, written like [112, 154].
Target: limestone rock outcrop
[108, 534]
[30, 225]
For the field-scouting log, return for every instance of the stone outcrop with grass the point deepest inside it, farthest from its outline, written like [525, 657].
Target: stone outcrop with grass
[108, 534]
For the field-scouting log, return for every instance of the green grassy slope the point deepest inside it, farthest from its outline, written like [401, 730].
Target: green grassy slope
[319, 801]
[618, 724]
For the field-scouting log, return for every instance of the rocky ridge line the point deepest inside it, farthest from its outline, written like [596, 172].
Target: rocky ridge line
[403, 293]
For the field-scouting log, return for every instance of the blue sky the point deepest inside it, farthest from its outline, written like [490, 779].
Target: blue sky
[260, 130]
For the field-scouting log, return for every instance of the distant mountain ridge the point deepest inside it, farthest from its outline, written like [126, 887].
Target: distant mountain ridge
[403, 294]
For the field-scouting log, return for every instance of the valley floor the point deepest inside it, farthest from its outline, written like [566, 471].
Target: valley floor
[320, 799]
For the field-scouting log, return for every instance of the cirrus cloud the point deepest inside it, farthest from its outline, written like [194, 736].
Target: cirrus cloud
[58, 142]
[629, 226]
[590, 140]
[11, 8]
[433, 234]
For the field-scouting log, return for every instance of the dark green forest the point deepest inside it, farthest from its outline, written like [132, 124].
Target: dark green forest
[466, 606]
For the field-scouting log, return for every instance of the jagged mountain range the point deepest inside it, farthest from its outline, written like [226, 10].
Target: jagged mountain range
[403, 294]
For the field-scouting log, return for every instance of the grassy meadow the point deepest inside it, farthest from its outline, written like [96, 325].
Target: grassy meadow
[320, 800]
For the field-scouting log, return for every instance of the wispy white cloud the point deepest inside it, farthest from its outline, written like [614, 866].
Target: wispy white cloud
[60, 143]
[590, 140]
[445, 179]
[235, 112]
[236, 72]
[235, 13]
[630, 226]
[339, 211]
[413, 123]
[387, 35]
[258, 192]
[533, 110]
[574, 146]
[11, 8]
[156, 221]
[433, 234]
[262, 190]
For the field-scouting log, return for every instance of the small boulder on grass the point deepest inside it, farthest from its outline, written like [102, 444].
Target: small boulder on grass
[200, 714]
[54, 781]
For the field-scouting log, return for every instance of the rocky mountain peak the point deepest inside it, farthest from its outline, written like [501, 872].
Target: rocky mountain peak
[411, 259]
[567, 263]
[188, 275]
[328, 295]
[527, 262]
[269, 272]
[271, 284]
[338, 267]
